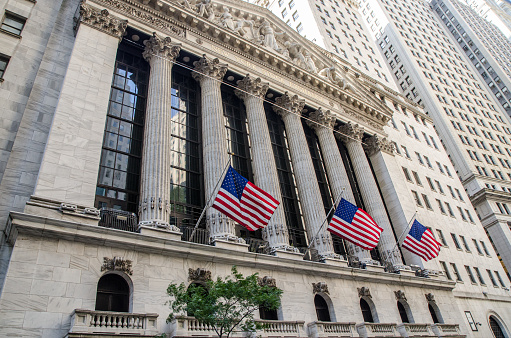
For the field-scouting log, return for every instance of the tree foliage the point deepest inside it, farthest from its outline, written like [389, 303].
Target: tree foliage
[226, 304]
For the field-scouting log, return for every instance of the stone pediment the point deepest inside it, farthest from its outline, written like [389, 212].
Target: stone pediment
[258, 35]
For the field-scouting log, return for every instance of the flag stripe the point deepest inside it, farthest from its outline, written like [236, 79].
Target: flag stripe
[420, 241]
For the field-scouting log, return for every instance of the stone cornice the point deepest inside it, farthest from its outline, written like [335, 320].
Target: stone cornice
[161, 47]
[101, 20]
[42, 227]
[490, 194]
[177, 20]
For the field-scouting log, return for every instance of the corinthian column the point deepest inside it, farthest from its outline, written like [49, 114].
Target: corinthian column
[209, 73]
[374, 205]
[337, 176]
[290, 108]
[154, 209]
[263, 161]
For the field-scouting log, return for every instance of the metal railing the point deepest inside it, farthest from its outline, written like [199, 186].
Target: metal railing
[201, 236]
[118, 219]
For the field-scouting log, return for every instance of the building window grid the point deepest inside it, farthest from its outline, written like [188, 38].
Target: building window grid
[13, 23]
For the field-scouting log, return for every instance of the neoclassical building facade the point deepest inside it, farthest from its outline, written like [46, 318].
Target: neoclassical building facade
[130, 113]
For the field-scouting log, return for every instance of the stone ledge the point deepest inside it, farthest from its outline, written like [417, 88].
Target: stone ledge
[32, 225]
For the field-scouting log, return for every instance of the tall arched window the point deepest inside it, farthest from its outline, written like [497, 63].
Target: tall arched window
[366, 311]
[113, 294]
[496, 329]
[322, 310]
[402, 313]
[435, 313]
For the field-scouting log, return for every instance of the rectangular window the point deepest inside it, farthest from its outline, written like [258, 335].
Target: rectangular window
[470, 274]
[426, 202]
[13, 23]
[441, 206]
[485, 248]
[493, 281]
[430, 182]
[456, 242]
[465, 244]
[501, 281]
[470, 319]
[4, 60]
[446, 271]
[439, 187]
[477, 246]
[456, 272]
[479, 276]
[295, 15]
[407, 174]
[417, 178]
[441, 237]
[417, 199]
[299, 28]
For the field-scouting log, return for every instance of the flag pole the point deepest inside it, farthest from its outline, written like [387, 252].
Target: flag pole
[210, 198]
[334, 206]
[411, 222]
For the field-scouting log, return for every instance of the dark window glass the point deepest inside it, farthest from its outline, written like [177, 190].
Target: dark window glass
[266, 314]
[321, 309]
[402, 313]
[366, 311]
[119, 171]
[4, 60]
[286, 179]
[433, 314]
[186, 199]
[13, 23]
[112, 294]
[495, 328]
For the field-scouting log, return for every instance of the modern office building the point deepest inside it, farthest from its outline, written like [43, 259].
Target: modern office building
[497, 12]
[119, 118]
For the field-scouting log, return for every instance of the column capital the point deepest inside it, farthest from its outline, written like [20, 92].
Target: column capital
[324, 118]
[161, 47]
[250, 87]
[376, 144]
[101, 20]
[287, 105]
[207, 67]
[350, 133]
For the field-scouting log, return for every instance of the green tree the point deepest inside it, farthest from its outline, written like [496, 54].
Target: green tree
[225, 304]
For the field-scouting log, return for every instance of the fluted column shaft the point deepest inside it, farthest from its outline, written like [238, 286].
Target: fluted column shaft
[370, 193]
[209, 73]
[336, 172]
[155, 185]
[263, 161]
[307, 183]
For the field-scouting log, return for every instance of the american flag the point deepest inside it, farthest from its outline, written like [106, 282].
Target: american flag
[244, 202]
[355, 225]
[421, 242]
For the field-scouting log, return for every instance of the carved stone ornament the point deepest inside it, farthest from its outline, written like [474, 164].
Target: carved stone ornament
[160, 47]
[430, 297]
[400, 295]
[287, 104]
[209, 68]
[323, 118]
[320, 287]
[250, 87]
[101, 20]
[267, 281]
[350, 133]
[376, 144]
[117, 264]
[364, 292]
[199, 275]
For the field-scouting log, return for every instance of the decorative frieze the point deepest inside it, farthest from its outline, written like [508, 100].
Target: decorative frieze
[364, 292]
[117, 264]
[377, 144]
[199, 275]
[101, 20]
[320, 287]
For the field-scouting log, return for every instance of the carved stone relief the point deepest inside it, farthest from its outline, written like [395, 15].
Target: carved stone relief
[267, 281]
[199, 275]
[364, 292]
[400, 295]
[320, 287]
[117, 264]
[101, 20]
[430, 297]
[376, 144]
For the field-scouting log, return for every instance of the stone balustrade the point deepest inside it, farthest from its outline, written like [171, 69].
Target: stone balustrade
[281, 328]
[367, 330]
[446, 330]
[328, 329]
[415, 330]
[89, 321]
[189, 326]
